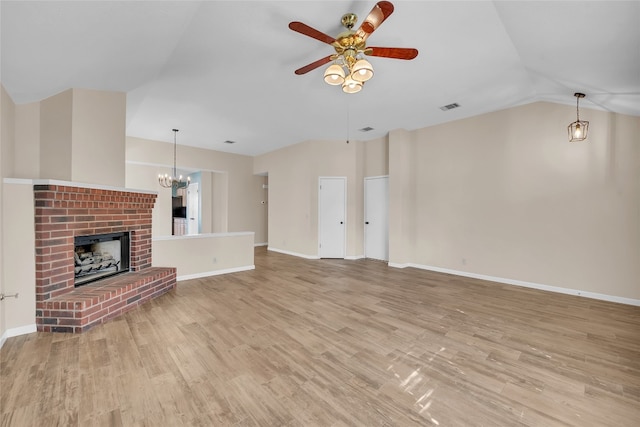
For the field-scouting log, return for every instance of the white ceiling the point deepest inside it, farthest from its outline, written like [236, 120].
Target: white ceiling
[223, 70]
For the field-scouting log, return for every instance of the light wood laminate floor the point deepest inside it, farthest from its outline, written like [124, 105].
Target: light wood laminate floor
[335, 343]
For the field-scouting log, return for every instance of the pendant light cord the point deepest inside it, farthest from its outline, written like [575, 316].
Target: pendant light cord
[175, 148]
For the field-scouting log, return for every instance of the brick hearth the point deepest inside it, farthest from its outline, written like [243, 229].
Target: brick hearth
[63, 212]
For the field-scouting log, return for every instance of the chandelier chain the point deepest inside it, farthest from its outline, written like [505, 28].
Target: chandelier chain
[175, 151]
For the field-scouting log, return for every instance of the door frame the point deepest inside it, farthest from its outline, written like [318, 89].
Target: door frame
[344, 229]
[193, 185]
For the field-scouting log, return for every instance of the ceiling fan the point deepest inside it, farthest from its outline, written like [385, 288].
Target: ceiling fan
[350, 69]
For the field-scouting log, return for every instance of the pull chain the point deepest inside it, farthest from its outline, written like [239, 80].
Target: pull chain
[348, 111]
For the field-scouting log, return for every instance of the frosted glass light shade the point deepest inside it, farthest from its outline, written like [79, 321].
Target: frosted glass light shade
[351, 86]
[334, 75]
[362, 70]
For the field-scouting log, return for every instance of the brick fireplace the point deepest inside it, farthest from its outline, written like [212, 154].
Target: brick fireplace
[63, 212]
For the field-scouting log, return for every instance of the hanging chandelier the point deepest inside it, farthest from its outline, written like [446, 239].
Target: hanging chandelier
[173, 181]
[578, 129]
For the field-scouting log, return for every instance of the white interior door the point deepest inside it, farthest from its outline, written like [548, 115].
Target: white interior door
[193, 208]
[332, 217]
[376, 218]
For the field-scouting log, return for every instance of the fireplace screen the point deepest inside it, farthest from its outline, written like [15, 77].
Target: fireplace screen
[100, 256]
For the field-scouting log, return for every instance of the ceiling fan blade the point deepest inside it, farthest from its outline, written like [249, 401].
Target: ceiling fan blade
[311, 32]
[392, 52]
[314, 65]
[378, 14]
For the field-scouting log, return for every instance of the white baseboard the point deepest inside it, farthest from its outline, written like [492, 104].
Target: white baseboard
[282, 251]
[397, 265]
[299, 255]
[560, 290]
[14, 332]
[215, 272]
[260, 244]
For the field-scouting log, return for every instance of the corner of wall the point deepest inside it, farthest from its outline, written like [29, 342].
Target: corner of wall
[7, 143]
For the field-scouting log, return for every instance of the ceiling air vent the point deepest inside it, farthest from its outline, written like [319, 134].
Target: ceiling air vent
[229, 142]
[366, 129]
[450, 106]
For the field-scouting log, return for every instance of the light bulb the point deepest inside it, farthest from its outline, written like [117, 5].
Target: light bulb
[578, 132]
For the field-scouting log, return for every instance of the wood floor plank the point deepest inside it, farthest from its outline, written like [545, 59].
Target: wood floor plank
[335, 343]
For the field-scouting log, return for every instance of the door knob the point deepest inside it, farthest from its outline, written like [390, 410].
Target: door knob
[341, 222]
[367, 222]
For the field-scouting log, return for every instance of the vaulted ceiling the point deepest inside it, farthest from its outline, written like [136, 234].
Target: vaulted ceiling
[224, 70]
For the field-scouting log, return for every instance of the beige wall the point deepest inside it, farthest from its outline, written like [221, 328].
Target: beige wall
[202, 255]
[17, 232]
[7, 135]
[19, 264]
[98, 137]
[402, 197]
[55, 136]
[220, 202]
[506, 195]
[206, 203]
[376, 157]
[7, 129]
[27, 141]
[82, 137]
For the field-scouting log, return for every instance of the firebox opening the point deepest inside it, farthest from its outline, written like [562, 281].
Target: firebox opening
[99, 256]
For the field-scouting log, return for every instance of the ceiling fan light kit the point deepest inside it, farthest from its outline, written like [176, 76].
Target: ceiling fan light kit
[349, 69]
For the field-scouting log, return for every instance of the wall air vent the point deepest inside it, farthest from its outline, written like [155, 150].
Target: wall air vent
[366, 129]
[450, 106]
[229, 142]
